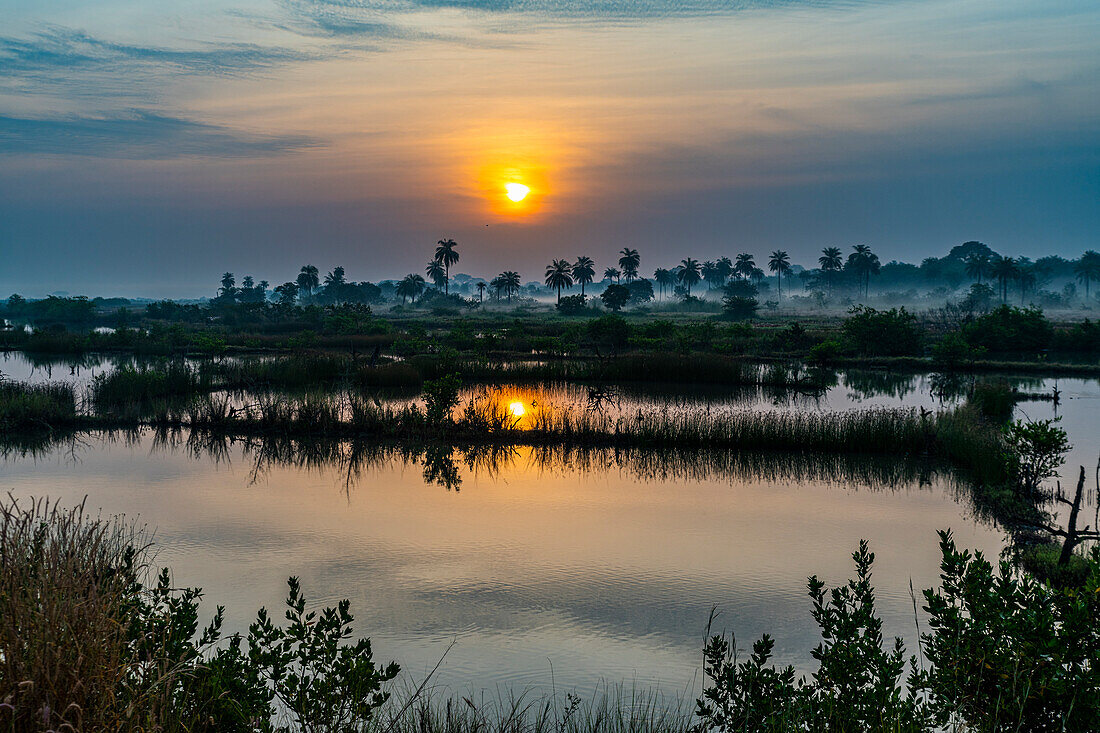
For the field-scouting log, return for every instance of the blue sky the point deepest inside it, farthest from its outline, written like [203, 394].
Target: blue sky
[146, 147]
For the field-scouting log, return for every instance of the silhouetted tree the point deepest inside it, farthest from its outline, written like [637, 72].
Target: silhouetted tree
[308, 280]
[507, 282]
[287, 292]
[446, 255]
[1087, 269]
[584, 270]
[977, 266]
[480, 291]
[1004, 269]
[689, 273]
[864, 263]
[779, 263]
[228, 290]
[744, 265]
[629, 262]
[411, 286]
[615, 296]
[611, 274]
[437, 273]
[559, 274]
[664, 278]
[831, 261]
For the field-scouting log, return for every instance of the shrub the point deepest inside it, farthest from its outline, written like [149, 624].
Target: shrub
[1037, 448]
[615, 296]
[1010, 330]
[739, 308]
[440, 398]
[571, 305]
[883, 333]
[611, 330]
[824, 353]
[954, 352]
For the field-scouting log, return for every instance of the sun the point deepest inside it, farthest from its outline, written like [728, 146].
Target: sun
[517, 409]
[516, 191]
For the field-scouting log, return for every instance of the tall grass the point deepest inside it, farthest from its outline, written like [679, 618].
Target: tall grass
[129, 385]
[36, 406]
[65, 586]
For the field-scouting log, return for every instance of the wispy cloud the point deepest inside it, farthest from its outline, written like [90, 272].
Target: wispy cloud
[137, 135]
[55, 49]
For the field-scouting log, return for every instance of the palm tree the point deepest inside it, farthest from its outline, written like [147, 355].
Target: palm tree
[864, 263]
[308, 281]
[709, 272]
[411, 286]
[437, 272]
[977, 266]
[689, 273]
[831, 262]
[665, 279]
[1026, 279]
[745, 265]
[584, 270]
[480, 291]
[629, 262]
[611, 274]
[228, 284]
[724, 269]
[446, 255]
[559, 274]
[1087, 269]
[780, 264]
[508, 281]
[1004, 269]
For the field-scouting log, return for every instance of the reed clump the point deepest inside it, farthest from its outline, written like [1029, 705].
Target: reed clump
[36, 407]
[130, 385]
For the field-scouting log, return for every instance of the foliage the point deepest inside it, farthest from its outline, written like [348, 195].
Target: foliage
[883, 333]
[824, 353]
[615, 296]
[440, 398]
[1007, 329]
[1036, 448]
[1008, 653]
[954, 352]
[857, 685]
[572, 305]
[611, 331]
[740, 308]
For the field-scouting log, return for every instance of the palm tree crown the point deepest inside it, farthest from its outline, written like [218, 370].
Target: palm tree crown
[446, 255]
[689, 273]
[584, 270]
[559, 274]
[629, 262]
[780, 263]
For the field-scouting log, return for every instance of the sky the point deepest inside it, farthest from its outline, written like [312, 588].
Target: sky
[147, 146]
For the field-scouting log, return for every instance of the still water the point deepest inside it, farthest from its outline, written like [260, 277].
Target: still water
[543, 568]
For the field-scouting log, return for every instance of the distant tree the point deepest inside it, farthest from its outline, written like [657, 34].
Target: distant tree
[16, 303]
[689, 273]
[287, 292]
[977, 266]
[507, 282]
[780, 263]
[228, 289]
[629, 262]
[308, 280]
[615, 296]
[831, 262]
[1087, 269]
[664, 279]
[584, 270]
[559, 274]
[480, 291]
[744, 265]
[724, 269]
[446, 255]
[863, 263]
[1026, 280]
[1004, 269]
[641, 291]
[611, 273]
[437, 273]
[411, 286]
[711, 275]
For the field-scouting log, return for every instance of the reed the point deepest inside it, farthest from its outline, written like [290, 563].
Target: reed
[130, 385]
[36, 406]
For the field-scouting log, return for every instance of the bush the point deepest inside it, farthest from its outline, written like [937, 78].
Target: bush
[611, 331]
[615, 296]
[738, 308]
[572, 305]
[883, 333]
[824, 353]
[953, 352]
[1010, 330]
[440, 398]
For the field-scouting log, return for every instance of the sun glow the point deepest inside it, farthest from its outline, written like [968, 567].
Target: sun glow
[517, 409]
[516, 191]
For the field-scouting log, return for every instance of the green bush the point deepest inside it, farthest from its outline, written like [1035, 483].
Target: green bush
[883, 333]
[1010, 330]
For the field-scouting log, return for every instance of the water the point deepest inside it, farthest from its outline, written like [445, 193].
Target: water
[563, 568]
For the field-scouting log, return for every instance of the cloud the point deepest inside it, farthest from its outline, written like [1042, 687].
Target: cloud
[137, 135]
[63, 49]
